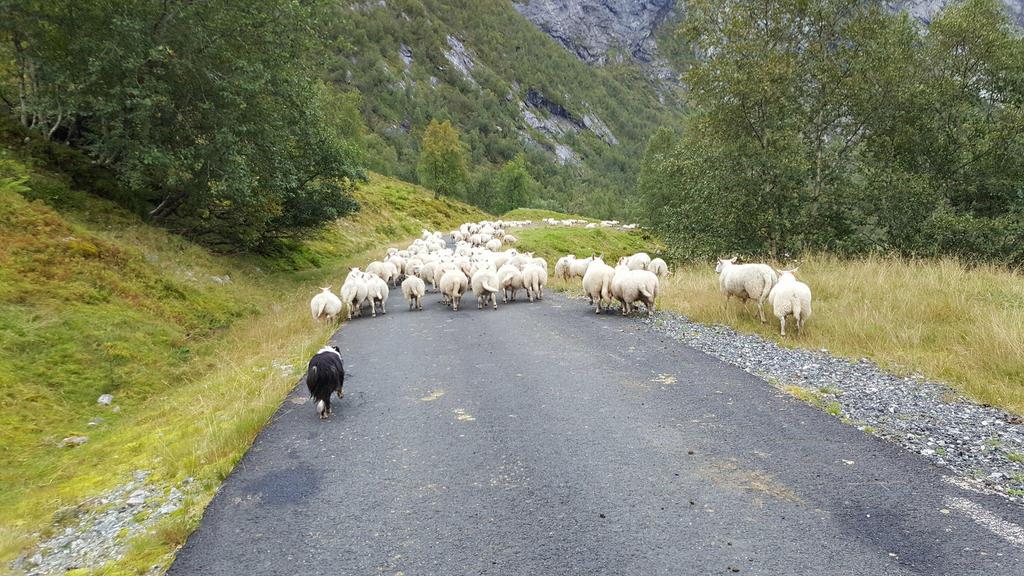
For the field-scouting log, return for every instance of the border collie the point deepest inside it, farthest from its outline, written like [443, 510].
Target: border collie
[325, 375]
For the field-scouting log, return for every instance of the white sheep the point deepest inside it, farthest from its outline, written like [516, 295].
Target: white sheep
[325, 305]
[384, 270]
[511, 280]
[790, 297]
[597, 283]
[485, 286]
[578, 267]
[638, 261]
[453, 285]
[534, 279]
[629, 286]
[562, 266]
[353, 292]
[377, 292]
[659, 267]
[413, 289]
[746, 282]
[493, 244]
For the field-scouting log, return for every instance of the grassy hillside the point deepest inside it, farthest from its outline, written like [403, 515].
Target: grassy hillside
[958, 324]
[393, 54]
[197, 349]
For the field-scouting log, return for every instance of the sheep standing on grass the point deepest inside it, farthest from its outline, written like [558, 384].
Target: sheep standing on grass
[746, 282]
[578, 267]
[534, 280]
[659, 267]
[629, 286]
[325, 305]
[413, 289]
[638, 261]
[790, 297]
[562, 266]
[597, 283]
[485, 287]
[453, 285]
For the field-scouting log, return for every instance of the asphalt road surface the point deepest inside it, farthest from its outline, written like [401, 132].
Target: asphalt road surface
[540, 439]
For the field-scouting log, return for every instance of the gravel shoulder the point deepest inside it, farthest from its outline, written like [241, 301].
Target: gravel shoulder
[542, 439]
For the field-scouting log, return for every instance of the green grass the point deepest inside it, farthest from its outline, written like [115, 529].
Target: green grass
[557, 241]
[537, 214]
[93, 300]
[959, 324]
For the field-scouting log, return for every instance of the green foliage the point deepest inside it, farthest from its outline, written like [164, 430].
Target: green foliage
[442, 162]
[835, 124]
[94, 300]
[212, 115]
[511, 57]
[514, 186]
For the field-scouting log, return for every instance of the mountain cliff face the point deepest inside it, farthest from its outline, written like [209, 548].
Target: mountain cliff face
[596, 30]
[599, 31]
[925, 10]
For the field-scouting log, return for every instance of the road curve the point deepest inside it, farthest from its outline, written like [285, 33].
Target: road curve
[541, 439]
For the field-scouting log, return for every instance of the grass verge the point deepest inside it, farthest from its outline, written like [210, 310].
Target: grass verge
[198, 349]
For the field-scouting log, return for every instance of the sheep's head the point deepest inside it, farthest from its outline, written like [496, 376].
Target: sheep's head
[723, 263]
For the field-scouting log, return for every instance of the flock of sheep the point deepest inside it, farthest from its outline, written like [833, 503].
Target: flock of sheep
[484, 262]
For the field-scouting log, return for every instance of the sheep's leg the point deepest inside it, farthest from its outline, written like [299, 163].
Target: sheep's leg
[373, 307]
[383, 307]
[782, 325]
[494, 300]
[419, 302]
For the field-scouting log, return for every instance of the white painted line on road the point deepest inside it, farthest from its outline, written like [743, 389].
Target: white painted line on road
[1009, 531]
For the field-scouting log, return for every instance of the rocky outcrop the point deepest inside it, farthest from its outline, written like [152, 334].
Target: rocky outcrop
[595, 29]
[926, 10]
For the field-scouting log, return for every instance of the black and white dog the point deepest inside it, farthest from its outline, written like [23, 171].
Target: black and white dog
[325, 375]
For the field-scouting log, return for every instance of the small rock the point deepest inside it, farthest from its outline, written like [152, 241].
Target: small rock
[95, 422]
[74, 441]
[137, 498]
[105, 399]
[927, 452]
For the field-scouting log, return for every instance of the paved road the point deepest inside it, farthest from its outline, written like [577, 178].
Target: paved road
[542, 440]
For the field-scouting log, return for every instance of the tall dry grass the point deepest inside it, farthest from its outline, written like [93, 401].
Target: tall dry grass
[950, 322]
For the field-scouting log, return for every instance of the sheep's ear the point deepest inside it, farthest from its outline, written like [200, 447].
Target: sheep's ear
[795, 269]
[733, 259]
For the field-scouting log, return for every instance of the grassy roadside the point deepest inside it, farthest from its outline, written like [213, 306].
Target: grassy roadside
[957, 324]
[198, 349]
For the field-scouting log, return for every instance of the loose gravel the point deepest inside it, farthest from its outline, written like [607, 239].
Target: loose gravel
[982, 445]
[103, 526]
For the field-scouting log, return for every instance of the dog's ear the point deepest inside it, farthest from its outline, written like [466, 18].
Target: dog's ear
[336, 349]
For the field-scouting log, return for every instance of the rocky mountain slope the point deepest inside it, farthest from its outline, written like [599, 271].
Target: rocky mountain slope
[509, 89]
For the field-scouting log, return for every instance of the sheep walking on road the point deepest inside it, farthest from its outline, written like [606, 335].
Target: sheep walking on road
[790, 297]
[485, 286]
[534, 279]
[597, 283]
[413, 289]
[453, 285]
[746, 282]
